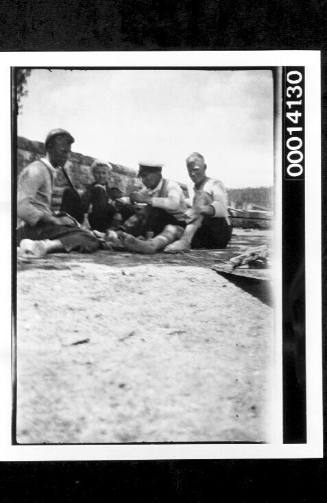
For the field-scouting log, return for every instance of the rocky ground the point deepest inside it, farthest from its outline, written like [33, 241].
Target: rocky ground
[152, 350]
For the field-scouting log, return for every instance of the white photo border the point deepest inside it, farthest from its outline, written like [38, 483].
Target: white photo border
[276, 449]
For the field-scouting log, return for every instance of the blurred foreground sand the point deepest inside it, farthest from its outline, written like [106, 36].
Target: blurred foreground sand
[146, 353]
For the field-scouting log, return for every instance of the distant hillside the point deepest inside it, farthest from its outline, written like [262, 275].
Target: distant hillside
[251, 196]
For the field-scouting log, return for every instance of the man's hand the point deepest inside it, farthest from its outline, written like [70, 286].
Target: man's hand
[196, 211]
[138, 197]
[123, 200]
[86, 223]
[191, 214]
[64, 220]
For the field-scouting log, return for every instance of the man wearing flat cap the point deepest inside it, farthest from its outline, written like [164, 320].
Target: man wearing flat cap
[40, 230]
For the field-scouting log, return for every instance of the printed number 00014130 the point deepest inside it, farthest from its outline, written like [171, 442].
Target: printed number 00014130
[294, 142]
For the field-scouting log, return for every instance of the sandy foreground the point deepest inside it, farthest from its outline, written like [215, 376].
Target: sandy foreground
[145, 353]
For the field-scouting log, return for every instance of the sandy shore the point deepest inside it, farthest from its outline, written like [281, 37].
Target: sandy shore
[146, 353]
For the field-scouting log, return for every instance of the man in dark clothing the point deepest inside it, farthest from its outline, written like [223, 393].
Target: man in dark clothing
[95, 202]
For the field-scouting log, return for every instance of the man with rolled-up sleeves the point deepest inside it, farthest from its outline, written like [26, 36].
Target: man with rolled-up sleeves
[159, 214]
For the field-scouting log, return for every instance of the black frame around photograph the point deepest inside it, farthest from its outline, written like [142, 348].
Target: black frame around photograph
[200, 26]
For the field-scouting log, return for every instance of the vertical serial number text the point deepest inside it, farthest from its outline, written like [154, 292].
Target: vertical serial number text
[294, 120]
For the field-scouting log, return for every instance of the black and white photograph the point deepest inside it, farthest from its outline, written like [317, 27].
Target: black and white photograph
[157, 299]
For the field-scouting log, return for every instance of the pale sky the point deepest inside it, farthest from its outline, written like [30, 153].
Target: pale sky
[127, 116]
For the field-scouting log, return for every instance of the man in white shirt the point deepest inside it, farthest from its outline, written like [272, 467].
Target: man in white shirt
[162, 215]
[163, 199]
[208, 220]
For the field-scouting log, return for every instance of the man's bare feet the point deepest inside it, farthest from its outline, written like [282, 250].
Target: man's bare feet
[138, 245]
[155, 244]
[181, 245]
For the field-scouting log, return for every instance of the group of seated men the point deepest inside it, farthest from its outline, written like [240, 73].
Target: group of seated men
[156, 218]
